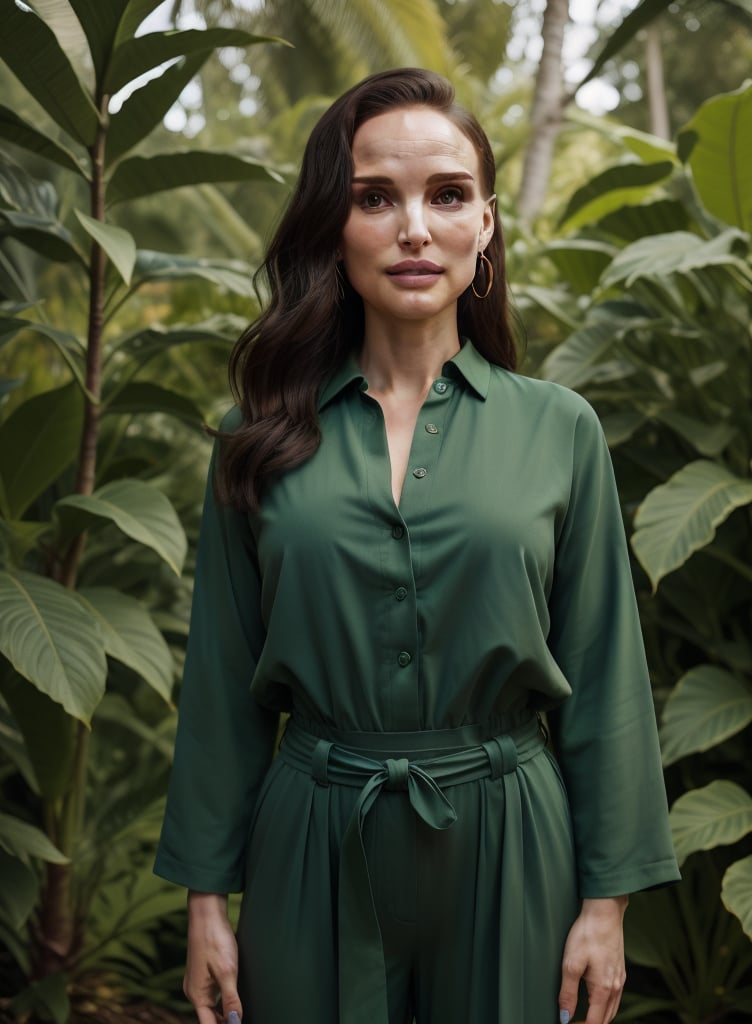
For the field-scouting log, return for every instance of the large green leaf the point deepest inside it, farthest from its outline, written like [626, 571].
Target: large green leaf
[584, 357]
[736, 892]
[612, 189]
[29, 48]
[147, 106]
[25, 841]
[143, 396]
[116, 242]
[680, 517]
[42, 234]
[130, 636]
[14, 129]
[38, 441]
[139, 509]
[144, 345]
[581, 261]
[649, 148]
[233, 275]
[717, 144]
[716, 815]
[708, 438]
[133, 57]
[100, 23]
[705, 707]
[52, 641]
[678, 252]
[144, 175]
[69, 347]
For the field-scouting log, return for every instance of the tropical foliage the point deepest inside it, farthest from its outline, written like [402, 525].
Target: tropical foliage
[101, 461]
[656, 289]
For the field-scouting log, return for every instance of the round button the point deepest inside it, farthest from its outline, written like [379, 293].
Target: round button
[398, 532]
[420, 472]
[400, 593]
[431, 428]
[404, 659]
[440, 387]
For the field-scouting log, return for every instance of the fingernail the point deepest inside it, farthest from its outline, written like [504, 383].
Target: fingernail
[233, 1018]
[563, 1016]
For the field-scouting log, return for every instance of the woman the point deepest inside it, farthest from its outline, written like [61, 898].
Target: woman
[415, 551]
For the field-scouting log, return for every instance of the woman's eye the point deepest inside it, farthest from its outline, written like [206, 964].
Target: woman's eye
[372, 200]
[449, 197]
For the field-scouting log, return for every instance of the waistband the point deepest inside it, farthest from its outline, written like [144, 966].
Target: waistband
[423, 764]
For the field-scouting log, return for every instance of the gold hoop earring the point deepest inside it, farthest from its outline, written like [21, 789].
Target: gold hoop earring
[488, 271]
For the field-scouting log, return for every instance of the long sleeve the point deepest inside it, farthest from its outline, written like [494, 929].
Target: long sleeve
[225, 738]
[605, 733]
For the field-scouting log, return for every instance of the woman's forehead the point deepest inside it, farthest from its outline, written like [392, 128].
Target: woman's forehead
[410, 133]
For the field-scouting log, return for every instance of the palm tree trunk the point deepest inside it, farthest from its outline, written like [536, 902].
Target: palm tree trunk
[547, 112]
[659, 119]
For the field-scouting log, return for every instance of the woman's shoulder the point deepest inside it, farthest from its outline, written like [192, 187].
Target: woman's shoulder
[537, 395]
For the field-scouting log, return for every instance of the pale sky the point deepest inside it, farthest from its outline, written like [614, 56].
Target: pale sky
[597, 96]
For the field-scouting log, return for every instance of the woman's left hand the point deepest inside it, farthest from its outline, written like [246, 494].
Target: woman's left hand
[594, 952]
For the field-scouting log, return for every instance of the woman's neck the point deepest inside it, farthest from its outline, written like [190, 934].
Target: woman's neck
[405, 358]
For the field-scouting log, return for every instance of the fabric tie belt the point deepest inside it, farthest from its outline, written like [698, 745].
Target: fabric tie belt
[422, 764]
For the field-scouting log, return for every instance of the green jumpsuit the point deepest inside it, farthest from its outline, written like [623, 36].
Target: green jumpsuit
[415, 851]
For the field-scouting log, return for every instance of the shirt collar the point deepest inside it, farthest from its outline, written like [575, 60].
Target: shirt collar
[347, 373]
[469, 365]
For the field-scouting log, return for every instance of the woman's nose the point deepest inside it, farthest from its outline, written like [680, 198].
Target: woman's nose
[414, 229]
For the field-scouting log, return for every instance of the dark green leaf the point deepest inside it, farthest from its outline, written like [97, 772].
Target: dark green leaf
[52, 641]
[143, 396]
[143, 176]
[233, 275]
[613, 188]
[47, 237]
[14, 129]
[118, 244]
[38, 441]
[100, 23]
[20, 191]
[223, 328]
[130, 636]
[25, 841]
[139, 509]
[581, 261]
[147, 106]
[133, 57]
[29, 48]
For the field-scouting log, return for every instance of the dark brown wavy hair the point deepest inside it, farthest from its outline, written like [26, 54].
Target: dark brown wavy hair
[279, 364]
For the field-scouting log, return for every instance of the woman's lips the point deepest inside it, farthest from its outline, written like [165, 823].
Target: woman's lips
[412, 273]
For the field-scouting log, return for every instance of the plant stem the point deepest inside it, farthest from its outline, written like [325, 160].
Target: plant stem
[57, 939]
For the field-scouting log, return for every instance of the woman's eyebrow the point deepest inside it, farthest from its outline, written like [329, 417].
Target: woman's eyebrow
[380, 179]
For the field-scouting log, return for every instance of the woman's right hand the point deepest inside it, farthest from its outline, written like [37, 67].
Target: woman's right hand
[212, 963]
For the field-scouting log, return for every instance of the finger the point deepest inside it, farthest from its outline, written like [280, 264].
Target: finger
[599, 999]
[570, 984]
[205, 1015]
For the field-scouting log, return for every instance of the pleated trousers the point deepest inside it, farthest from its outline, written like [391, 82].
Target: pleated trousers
[421, 877]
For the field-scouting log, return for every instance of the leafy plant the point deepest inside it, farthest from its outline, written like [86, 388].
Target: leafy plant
[89, 530]
[658, 279]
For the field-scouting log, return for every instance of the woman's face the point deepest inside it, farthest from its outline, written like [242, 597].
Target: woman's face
[419, 216]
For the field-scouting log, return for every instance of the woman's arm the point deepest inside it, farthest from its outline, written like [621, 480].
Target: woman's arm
[594, 952]
[212, 964]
